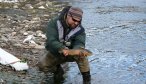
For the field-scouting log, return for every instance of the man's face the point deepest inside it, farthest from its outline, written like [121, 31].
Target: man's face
[72, 22]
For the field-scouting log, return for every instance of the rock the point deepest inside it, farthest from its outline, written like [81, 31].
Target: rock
[3, 44]
[25, 33]
[26, 26]
[14, 33]
[46, 15]
[36, 19]
[31, 45]
[34, 51]
[49, 4]
[17, 45]
[40, 3]
[15, 6]
[41, 7]
[30, 32]
[4, 38]
[29, 39]
[43, 36]
[39, 47]
[32, 42]
[38, 33]
[9, 1]
[29, 6]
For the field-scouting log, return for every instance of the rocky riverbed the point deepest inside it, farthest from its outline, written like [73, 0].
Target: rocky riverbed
[20, 20]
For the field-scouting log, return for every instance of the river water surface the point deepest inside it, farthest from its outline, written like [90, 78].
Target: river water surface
[116, 34]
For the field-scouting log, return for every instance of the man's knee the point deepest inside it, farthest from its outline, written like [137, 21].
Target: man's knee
[47, 63]
[83, 64]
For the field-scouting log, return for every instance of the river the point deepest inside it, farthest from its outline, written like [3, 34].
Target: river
[116, 33]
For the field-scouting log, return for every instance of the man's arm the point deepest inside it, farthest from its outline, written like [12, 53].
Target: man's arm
[78, 45]
[52, 37]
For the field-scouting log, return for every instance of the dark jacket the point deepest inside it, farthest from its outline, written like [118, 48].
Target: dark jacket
[53, 43]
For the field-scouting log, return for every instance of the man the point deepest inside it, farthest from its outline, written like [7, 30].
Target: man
[63, 33]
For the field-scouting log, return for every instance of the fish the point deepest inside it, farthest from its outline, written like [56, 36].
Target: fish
[73, 52]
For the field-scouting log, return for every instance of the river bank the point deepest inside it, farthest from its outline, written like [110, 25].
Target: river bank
[18, 21]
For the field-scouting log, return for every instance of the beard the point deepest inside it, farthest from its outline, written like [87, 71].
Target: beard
[73, 26]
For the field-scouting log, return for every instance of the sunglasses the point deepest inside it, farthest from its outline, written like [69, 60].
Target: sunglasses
[75, 19]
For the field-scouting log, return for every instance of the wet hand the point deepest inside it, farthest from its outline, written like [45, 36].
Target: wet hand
[65, 52]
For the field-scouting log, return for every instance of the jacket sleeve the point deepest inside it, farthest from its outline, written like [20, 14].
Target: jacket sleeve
[52, 42]
[79, 41]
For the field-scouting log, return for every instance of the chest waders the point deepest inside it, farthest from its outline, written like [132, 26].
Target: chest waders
[86, 75]
[68, 36]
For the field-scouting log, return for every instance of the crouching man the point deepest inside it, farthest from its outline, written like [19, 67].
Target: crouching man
[65, 32]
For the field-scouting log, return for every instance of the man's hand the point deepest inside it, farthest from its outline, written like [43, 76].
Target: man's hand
[79, 53]
[65, 52]
[75, 52]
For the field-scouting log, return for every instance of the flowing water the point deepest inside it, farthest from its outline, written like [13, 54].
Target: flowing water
[116, 33]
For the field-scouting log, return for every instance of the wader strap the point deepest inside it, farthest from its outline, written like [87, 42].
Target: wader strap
[72, 32]
[60, 31]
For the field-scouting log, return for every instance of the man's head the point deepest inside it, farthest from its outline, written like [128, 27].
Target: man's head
[74, 17]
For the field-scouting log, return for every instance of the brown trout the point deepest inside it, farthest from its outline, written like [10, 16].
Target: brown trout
[74, 52]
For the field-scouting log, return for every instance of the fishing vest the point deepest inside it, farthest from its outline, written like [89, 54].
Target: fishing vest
[69, 35]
